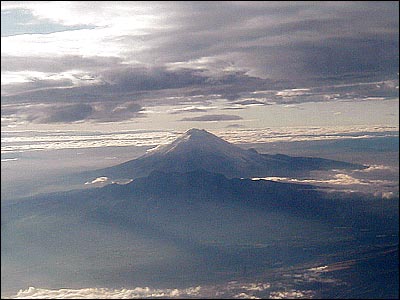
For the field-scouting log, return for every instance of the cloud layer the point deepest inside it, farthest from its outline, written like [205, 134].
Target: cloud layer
[247, 53]
[14, 142]
[231, 290]
[290, 285]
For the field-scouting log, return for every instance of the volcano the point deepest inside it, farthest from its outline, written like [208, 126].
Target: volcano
[201, 150]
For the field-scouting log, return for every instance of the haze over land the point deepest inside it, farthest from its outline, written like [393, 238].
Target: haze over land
[199, 149]
[180, 221]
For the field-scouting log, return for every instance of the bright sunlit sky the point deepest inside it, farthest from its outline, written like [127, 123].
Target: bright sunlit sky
[160, 65]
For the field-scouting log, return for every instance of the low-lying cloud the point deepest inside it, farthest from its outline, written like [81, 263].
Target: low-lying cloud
[231, 290]
[290, 285]
[357, 181]
[102, 179]
[337, 179]
[103, 293]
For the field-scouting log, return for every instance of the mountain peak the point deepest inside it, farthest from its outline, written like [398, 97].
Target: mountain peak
[195, 140]
[195, 131]
[197, 149]
[198, 134]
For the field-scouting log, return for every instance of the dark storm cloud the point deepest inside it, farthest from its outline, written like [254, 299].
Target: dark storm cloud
[142, 78]
[127, 83]
[342, 56]
[69, 113]
[249, 102]
[111, 112]
[235, 126]
[227, 48]
[211, 118]
[57, 64]
[274, 39]
[34, 85]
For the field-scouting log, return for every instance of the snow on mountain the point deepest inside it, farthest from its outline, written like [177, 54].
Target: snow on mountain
[201, 141]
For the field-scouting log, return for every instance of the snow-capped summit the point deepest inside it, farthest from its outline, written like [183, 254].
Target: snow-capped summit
[200, 141]
[197, 132]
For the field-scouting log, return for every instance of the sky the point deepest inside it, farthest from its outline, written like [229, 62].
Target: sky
[214, 65]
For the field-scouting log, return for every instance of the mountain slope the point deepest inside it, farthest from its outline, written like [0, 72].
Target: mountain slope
[198, 149]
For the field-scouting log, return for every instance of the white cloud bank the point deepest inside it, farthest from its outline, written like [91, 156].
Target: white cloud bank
[233, 290]
[337, 179]
[292, 294]
[105, 180]
[286, 289]
[334, 181]
[103, 293]
[102, 179]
